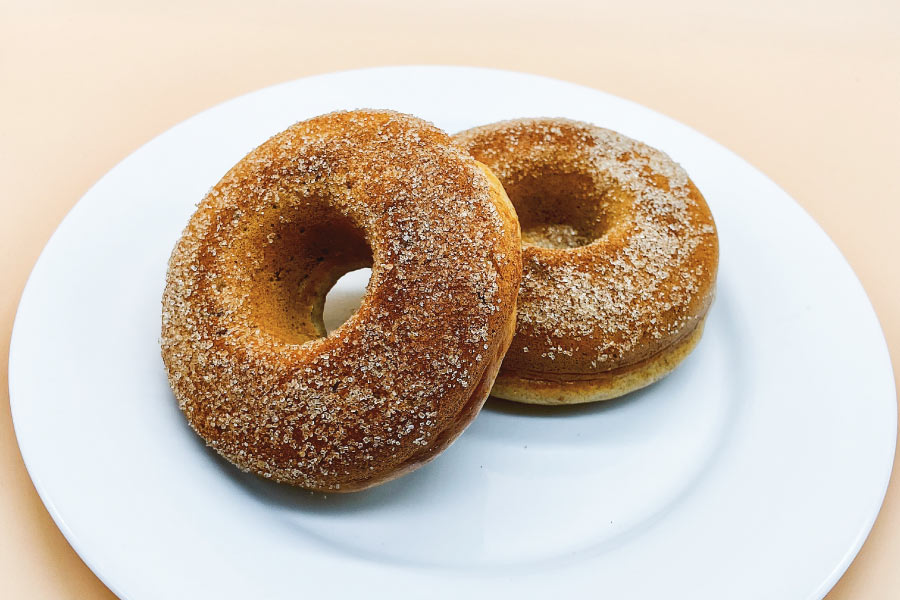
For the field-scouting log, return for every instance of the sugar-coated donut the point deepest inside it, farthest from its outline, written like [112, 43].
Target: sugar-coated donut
[247, 354]
[619, 259]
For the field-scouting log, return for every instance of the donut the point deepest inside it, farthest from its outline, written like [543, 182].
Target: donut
[620, 254]
[243, 341]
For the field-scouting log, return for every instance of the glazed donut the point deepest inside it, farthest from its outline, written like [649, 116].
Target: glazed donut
[243, 341]
[619, 259]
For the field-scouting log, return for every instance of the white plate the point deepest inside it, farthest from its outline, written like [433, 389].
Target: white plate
[754, 471]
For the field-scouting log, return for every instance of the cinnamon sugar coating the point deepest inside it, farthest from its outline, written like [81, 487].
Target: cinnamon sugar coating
[619, 258]
[242, 334]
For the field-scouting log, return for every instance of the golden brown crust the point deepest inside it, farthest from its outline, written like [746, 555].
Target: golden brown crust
[619, 259]
[553, 388]
[242, 337]
[465, 417]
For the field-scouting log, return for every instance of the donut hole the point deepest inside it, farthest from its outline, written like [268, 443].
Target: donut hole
[344, 298]
[299, 258]
[559, 210]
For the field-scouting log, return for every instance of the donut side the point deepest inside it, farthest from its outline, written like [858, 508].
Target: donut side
[555, 389]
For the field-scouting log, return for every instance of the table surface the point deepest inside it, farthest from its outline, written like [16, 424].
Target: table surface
[806, 91]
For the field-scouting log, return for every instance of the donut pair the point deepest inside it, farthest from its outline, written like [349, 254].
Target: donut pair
[611, 261]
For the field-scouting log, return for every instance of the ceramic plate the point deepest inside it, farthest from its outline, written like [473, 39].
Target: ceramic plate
[754, 471]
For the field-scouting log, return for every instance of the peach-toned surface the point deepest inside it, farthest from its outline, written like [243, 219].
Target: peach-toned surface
[807, 93]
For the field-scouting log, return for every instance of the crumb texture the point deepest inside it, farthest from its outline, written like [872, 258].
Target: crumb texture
[620, 253]
[247, 357]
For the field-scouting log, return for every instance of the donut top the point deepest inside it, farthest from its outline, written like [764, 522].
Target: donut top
[620, 255]
[255, 376]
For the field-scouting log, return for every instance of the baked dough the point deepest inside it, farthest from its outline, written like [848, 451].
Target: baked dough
[619, 259]
[247, 354]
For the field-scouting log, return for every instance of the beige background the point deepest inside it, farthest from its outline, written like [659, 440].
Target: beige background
[809, 93]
